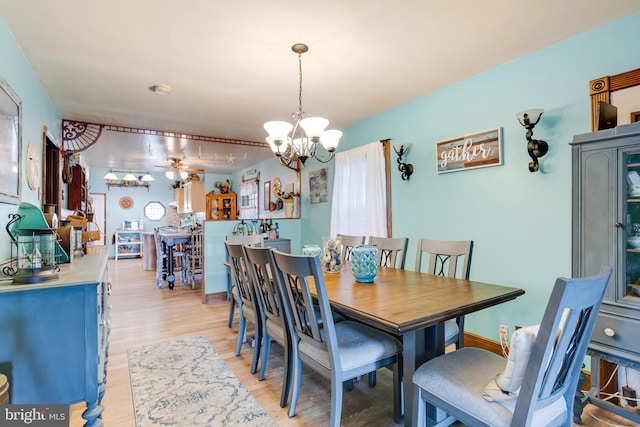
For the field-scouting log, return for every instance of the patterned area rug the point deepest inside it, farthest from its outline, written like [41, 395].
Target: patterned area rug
[185, 382]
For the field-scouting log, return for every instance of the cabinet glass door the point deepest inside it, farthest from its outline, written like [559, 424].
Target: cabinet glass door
[631, 183]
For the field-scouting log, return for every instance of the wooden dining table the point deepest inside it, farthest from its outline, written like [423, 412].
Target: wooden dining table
[413, 306]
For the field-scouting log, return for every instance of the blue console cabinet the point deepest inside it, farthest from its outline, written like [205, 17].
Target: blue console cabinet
[54, 337]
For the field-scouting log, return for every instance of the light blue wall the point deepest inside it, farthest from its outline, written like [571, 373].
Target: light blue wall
[37, 111]
[520, 222]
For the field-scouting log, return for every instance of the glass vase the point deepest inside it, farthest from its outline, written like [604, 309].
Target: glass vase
[331, 255]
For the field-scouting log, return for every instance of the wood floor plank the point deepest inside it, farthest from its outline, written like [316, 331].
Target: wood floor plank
[142, 314]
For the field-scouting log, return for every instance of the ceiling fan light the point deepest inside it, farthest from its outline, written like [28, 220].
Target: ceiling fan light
[278, 131]
[110, 176]
[129, 177]
[170, 174]
[330, 139]
[147, 177]
[184, 174]
[314, 126]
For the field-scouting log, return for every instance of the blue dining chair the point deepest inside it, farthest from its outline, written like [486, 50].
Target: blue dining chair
[261, 266]
[536, 386]
[245, 295]
[339, 351]
[451, 258]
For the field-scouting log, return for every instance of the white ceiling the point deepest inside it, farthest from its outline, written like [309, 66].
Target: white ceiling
[231, 69]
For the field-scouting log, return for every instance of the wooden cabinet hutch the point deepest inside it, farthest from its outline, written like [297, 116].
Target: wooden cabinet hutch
[221, 206]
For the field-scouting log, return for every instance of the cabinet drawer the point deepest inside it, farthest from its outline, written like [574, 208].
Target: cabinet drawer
[626, 333]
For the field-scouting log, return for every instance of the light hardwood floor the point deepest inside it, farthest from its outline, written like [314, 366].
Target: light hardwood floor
[142, 314]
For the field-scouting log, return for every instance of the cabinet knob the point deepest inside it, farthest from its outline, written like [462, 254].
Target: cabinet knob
[618, 224]
[609, 332]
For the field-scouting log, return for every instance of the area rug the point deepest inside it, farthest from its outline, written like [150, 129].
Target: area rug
[184, 382]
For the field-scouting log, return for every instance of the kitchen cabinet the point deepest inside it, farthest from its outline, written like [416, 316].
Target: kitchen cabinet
[221, 206]
[194, 199]
[77, 189]
[128, 244]
[178, 197]
[55, 337]
[283, 245]
[606, 219]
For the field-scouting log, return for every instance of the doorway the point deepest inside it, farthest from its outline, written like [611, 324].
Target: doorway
[98, 203]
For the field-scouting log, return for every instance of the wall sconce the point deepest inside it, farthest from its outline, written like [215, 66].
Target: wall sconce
[406, 168]
[537, 148]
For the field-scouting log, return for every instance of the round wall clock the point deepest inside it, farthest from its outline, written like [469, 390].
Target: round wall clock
[126, 202]
[33, 166]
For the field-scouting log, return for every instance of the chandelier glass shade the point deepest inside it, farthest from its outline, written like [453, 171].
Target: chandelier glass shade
[295, 143]
[129, 177]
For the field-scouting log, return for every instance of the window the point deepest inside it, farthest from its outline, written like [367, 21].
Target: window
[154, 211]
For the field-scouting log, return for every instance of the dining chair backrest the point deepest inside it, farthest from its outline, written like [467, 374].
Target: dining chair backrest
[446, 257]
[261, 267]
[296, 276]
[239, 274]
[392, 251]
[348, 243]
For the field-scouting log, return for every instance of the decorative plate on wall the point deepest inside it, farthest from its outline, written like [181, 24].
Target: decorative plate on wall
[126, 202]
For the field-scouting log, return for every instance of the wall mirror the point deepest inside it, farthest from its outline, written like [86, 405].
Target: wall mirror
[10, 144]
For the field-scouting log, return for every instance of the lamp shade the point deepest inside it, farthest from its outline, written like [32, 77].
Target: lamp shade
[147, 177]
[129, 177]
[313, 127]
[529, 117]
[278, 131]
[401, 148]
[111, 176]
[330, 139]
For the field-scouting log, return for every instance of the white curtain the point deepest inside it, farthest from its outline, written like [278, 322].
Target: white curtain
[359, 206]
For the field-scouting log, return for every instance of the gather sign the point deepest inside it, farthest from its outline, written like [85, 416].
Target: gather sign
[478, 150]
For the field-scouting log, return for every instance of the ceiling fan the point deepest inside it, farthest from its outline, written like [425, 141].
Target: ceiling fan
[178, 170]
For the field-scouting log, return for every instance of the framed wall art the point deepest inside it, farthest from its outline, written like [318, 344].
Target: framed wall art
[318, 186]
[10, 144]
[477, 150]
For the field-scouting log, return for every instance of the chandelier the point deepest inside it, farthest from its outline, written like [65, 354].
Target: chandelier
[294, 143]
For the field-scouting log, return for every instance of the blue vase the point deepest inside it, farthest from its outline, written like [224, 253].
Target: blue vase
[364, 263]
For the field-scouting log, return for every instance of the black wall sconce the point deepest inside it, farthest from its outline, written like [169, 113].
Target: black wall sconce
[536, 147]
[406, 168]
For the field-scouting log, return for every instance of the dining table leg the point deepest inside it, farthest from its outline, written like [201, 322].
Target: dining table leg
[418, 346]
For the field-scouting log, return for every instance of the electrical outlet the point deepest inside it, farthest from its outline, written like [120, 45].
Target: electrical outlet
[631, 394]
[503, 330]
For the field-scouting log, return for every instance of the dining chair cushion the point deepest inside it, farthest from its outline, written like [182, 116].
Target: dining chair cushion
[464, 386]
[358, 344]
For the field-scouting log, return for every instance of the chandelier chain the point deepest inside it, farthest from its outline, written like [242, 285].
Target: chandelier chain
[300, 113]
